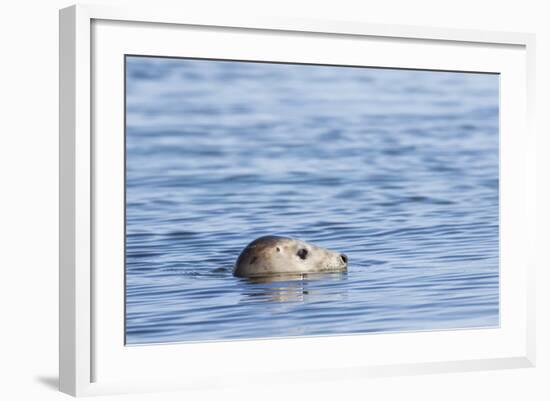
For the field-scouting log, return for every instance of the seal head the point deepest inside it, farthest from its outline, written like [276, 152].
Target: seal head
[274, 255]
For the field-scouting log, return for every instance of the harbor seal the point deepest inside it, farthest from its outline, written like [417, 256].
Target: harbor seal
[273, 255]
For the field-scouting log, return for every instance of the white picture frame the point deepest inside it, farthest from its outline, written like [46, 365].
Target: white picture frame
[94, 360]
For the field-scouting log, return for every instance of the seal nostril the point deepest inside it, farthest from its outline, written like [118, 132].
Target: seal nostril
[344, 258]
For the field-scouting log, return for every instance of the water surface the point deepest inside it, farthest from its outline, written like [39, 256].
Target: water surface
[397, 169]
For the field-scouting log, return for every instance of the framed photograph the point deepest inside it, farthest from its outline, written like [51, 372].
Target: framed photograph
[290, 200]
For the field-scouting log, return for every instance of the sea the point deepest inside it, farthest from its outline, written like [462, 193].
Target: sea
[396, 168]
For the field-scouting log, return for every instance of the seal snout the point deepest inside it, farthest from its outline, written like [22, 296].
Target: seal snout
[344, 258]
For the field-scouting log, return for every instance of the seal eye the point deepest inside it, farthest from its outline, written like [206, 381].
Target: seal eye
[302, 253]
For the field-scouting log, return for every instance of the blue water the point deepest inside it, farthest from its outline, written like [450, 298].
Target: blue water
[397, 169]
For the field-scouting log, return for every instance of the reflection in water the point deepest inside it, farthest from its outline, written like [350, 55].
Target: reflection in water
[295, 287]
